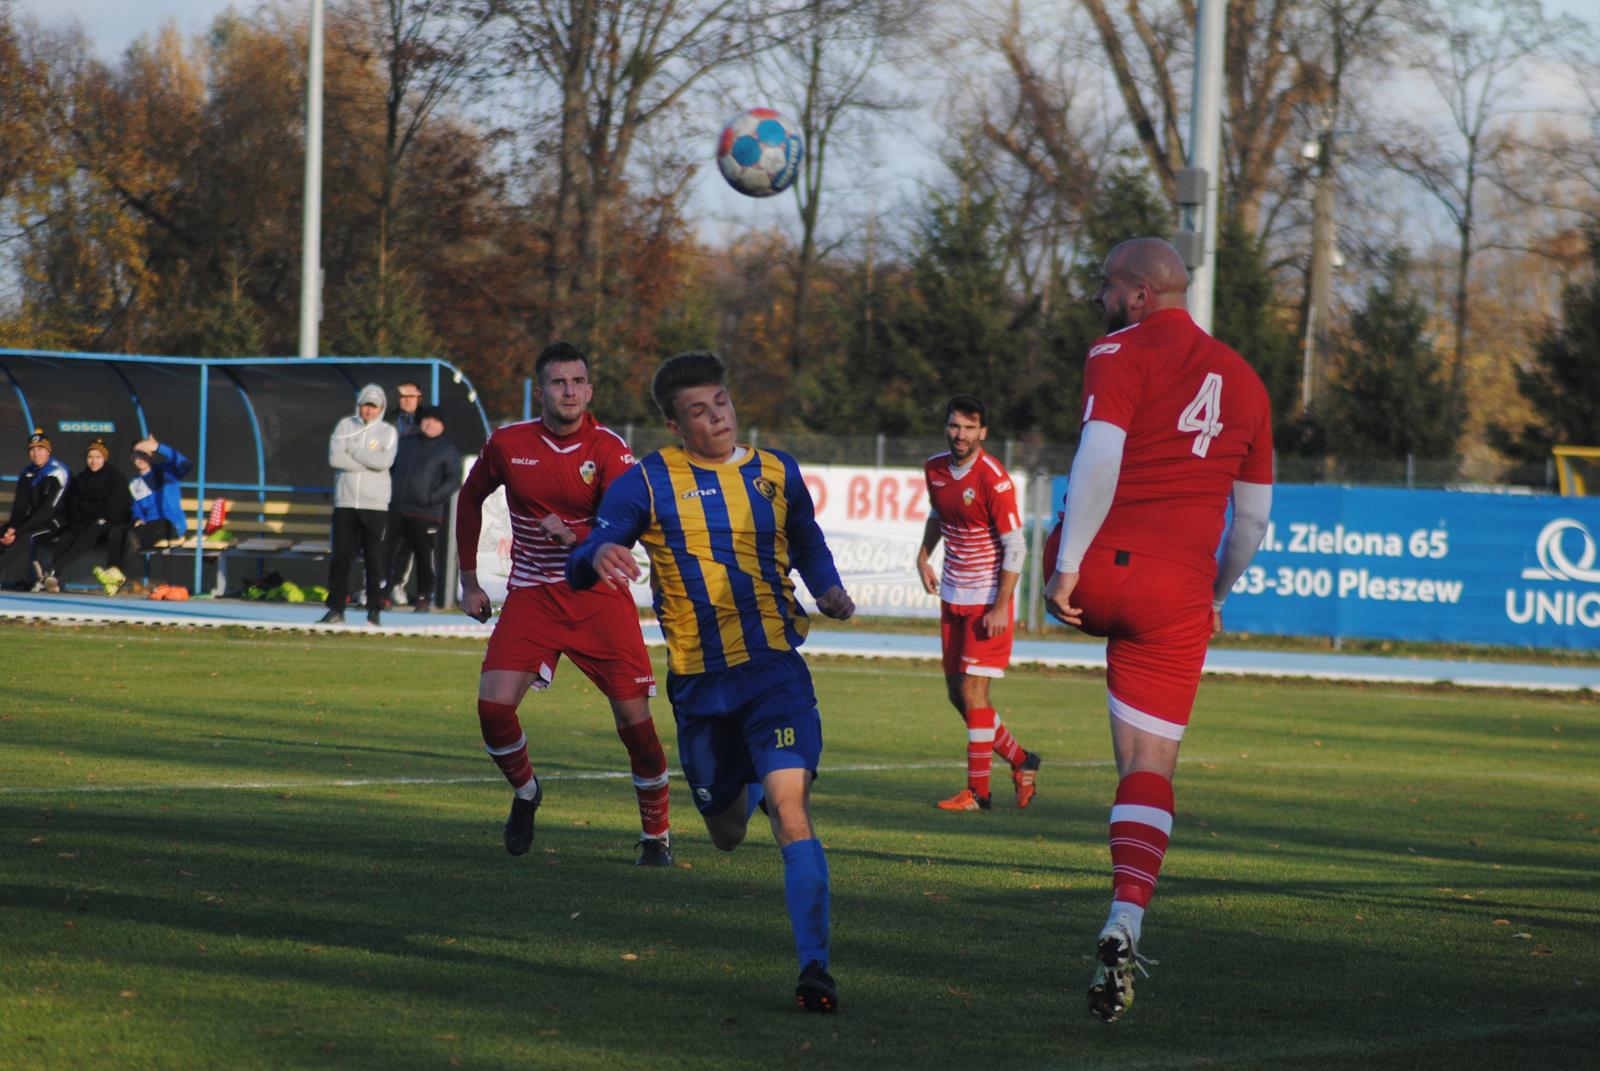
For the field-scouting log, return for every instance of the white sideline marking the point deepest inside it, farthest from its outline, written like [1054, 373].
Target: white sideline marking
[366, 782]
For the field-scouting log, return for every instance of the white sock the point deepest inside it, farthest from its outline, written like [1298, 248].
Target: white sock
[1134, 912]
[529, 790]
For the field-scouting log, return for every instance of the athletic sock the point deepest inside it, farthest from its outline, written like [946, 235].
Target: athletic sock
[1006, 746]
[504, 741]
[649, 765]
[1141, 822]
[980, 749]
[805, 887]
[1135, 913]
[753, 795]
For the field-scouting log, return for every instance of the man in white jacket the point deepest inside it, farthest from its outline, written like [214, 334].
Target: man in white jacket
[361, 451]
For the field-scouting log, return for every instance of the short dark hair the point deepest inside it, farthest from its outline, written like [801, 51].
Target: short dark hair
[557, 353]
[967, 405]
[694, 368]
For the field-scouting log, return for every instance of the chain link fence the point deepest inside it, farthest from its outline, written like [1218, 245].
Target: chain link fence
[1032, 457]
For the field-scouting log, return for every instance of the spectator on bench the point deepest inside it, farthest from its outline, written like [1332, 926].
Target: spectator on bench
[157, 512]
[35, 512]
[427, 470]
[98, 508]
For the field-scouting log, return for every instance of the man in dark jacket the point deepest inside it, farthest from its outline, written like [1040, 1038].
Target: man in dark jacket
[35, 510]
[427, 471]
[98, 508]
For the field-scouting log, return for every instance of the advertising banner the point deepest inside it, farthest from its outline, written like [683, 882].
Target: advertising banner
[872, 519]
[1445, 566]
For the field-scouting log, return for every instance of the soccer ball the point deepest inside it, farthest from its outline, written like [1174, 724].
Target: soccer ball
[760, 152]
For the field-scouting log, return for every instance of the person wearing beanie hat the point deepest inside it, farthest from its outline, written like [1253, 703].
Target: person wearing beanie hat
[35, 511]
[98, 511]
[427, 471]
[361, 450]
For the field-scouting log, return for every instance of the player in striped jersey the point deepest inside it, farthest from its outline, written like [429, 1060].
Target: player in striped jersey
[724, 524]
[972, 506]
[554, 470]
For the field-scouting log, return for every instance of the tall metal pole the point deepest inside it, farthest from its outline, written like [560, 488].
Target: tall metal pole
[311, 235]
[1205, 150]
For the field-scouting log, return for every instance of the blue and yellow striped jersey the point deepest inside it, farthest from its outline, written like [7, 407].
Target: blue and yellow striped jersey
[722, 540]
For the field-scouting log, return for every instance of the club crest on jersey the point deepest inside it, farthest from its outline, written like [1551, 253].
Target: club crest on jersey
[968, 495]
[765, 488]
[586, 470]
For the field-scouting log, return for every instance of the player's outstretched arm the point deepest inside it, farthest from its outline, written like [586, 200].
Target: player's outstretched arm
[605, 555]
[808, 548]
[1252, 506]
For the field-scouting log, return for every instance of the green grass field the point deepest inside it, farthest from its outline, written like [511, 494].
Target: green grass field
[235, 850]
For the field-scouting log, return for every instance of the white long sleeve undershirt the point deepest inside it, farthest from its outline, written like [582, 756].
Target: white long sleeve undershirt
[1252, 505]
[1090, 488]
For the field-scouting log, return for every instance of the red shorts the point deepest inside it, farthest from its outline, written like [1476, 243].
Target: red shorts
[967, 652]
[598, 630]
[1156, 617]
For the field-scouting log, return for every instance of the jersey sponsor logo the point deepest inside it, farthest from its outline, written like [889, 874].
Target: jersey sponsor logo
[968, 495]
[937, 483]
[1003, 485]
[1104, 348]
[700, 492]
[644, 680]
[524, 461]
[628, 459]
[586, 470]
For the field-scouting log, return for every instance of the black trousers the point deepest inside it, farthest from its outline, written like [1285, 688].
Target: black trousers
[14, 559]
[418, 537]
[75, 542]
[137, 539]
[354, 530]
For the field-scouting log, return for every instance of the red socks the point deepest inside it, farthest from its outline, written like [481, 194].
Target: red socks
[1141, 822]
[649, 765]
[980, 749]
[504, 741]
[1006, 746]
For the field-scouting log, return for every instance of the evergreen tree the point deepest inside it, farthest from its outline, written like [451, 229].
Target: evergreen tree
[232, 327]
[1564, 382]
[1247, 317]
[380, 319]
[1391, 393]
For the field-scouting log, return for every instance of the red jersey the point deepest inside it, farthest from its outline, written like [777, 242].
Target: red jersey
[543, 474]
[975, 509]
[1197, 419]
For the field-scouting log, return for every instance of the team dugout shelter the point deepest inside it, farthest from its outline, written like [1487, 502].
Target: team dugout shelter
[256, 428]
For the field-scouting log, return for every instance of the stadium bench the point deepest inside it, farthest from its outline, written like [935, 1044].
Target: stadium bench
[276, 528]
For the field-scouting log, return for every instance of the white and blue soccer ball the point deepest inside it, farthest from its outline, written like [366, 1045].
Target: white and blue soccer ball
[760, 152]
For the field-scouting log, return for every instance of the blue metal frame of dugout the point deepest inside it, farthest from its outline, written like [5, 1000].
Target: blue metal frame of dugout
[68, 387]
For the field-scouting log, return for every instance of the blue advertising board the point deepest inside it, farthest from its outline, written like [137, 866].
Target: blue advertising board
[1424, 565]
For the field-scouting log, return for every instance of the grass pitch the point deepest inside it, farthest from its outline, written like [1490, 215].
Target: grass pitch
[234, 850]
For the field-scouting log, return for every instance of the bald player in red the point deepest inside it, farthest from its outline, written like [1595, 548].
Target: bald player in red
[1175, 426]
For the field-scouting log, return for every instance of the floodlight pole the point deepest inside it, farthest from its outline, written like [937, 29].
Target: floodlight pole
[311, 235]
[1205, 156]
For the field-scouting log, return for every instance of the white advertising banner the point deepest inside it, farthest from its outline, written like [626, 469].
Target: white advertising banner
[872, 518]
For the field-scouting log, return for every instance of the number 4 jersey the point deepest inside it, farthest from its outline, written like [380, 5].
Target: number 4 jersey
[1197, 419]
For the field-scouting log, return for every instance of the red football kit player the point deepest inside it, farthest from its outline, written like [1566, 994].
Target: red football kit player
[972, 506]
[1176, 425]
[555, 470]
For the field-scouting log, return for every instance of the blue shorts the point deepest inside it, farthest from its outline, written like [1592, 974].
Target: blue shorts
[738, 725]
